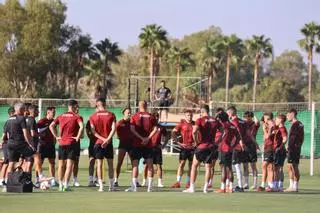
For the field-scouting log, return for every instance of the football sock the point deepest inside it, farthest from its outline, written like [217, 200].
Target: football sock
[150, 183]
[280, 184]
[210, 182]
[230, 185]
[263, 184]
[223, 185]
[255, 181]
[100, 181]
[239, 175]
[115, 179]
[111, 183]
[179, 178]
[188, 179]
[134, 183]
[159, 181]
[65, 184]
[91, 178]
[291, 184]
[246, 180]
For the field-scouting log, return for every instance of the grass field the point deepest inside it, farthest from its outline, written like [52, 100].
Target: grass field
[84, 199]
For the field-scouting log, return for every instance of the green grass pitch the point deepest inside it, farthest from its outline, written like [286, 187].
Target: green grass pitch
[84, 199]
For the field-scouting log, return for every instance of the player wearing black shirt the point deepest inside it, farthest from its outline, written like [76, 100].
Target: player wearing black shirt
[163, 94]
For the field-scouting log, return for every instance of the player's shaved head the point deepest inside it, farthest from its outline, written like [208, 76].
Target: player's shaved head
[142, 105]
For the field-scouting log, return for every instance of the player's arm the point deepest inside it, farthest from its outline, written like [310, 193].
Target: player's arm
[195, 134]
[165, 139]
[112, 132]
[251, 138]
[153, 132]
[238, 139]
[53, 129]
[80, 131]
[135, 133]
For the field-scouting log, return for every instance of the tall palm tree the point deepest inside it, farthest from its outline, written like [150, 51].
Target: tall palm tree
[109, 53]
[260, 47]
[79, 50]
[211, 57]
[180, 58]
[310, 31]
[153, 38]
[234, 48]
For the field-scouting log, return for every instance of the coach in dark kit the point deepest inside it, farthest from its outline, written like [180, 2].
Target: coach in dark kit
[163, 95]
[18, 137]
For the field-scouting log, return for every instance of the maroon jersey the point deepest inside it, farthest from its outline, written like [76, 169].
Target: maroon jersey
[45, 135]
[185, 130]
[268, 142]
[208, 127]
[102, 122]
[124, 132]
[253, 127]
[230, 138]
[296, 136]
[143, 123]
[242, 128]
[156, 138]
[69, 127]
[280, 133]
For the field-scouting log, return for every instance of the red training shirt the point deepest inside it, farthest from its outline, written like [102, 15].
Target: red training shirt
[102, 122]
[280, 133]
[230, 138]
[45, 136]
[124, 132]
[69, 127]
[156, 138]
[143, 123]
[185, 129]
[208, 127]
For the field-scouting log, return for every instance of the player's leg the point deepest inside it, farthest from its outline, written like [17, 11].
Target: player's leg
[149, 164]
[76, 165]
[3, 173]
[264, 176]
[92, 162]
[121, 155]
[61, 171]
[99, 162]
[270, 174]
[276, 177]
[236, 161]
[109, 156]
[246, 175]
[145, 173]
[230, 178]
[180, 171]
[255, 176]
[193, 174]
[223, 179]
[52, 170]
[136, 156]
[157, 160]
[70, 156]
[296, 176]
[208, 171]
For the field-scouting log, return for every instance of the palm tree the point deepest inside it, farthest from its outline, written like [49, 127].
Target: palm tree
[153, 38]
[211, 57]
[234, 48]
[180, 58]
[79, 50]
[109, 53]
[310, 31]
[260, 47]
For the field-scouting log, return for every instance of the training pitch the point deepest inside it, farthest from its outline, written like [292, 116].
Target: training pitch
[85, 199]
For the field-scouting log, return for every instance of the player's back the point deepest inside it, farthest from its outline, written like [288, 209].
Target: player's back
[102, 122]
[208, 127]
[143, 122]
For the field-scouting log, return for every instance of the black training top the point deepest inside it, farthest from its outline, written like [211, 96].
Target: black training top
[31, 123]
[14, 127]
[163, 93]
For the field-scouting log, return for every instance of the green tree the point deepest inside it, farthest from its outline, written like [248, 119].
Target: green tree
[153, 39]
[211, 58]
[260, 47]
[109, 53]
[310, 31]
[234, 48]
[80, 51]
[180, 59]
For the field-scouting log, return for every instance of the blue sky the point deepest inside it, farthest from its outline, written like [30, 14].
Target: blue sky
[121, 20]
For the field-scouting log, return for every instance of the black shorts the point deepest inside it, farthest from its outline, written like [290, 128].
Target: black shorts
[78, 149]
[125, 146]
[101, 153]
[294, 157]
[47, 151]
[238, 157]
[90, 149]
[186, 154]
[268, 157]
[253, 156]
[35, 144]
[141, 152]
[215, 154]
[164, 104]
[205, 155]
[279, 158]
[68, 152]
[5, 153]
[226, 158]
[157, 156]
[16, 149]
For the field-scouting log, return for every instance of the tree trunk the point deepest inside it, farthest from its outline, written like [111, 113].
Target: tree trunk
[255, 79]
[227, 76]
[76, 80]
[105, 86]
[310, 57]
[151, 75]
[210, 88]
[178, 85]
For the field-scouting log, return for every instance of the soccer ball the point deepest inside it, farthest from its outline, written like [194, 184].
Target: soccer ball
[45, 185]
